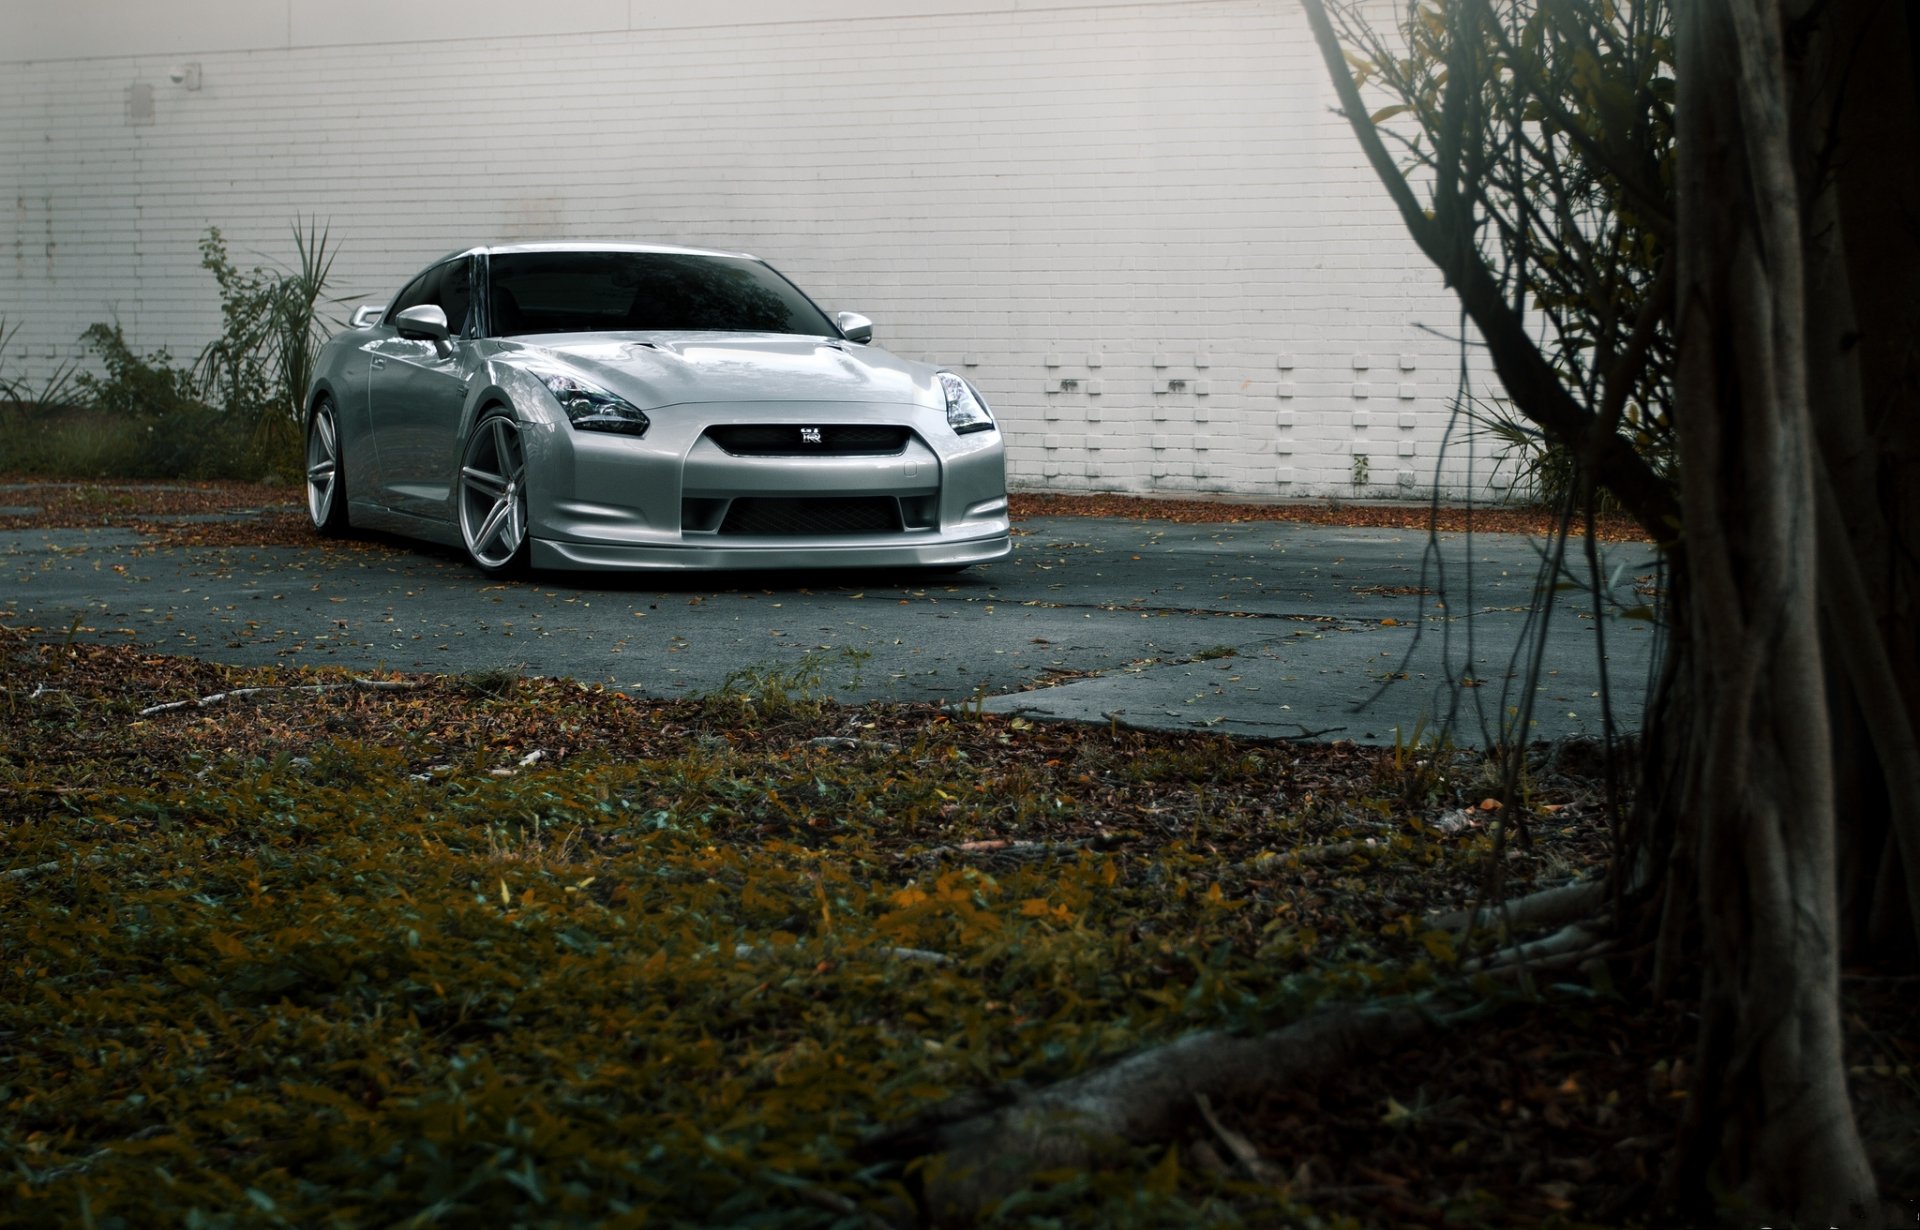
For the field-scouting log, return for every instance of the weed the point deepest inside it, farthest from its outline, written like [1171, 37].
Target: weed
[974, 707]
[1418, 772]
[494, 683]
[764, 691]
[857, 658]
[52, 390]
[1216, 652]
[142, 416]
[533, 843]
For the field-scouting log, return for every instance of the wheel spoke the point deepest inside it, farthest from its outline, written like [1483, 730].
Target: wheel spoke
[492, 484]
[321, 472]
[323, 427]
[491, 526]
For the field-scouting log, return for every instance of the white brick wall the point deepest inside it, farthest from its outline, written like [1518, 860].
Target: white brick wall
[1139, 228]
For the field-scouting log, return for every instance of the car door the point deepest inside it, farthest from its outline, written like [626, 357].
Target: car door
[417, 391]
[377, 355]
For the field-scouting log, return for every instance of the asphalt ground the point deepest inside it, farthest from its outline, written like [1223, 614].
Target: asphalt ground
[1267, 628]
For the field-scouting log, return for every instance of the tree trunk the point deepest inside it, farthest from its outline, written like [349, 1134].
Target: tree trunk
[1763, 846]
[1770, 1108]
[1863, 282]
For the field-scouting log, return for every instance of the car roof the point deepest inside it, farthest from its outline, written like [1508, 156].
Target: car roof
[504, 249]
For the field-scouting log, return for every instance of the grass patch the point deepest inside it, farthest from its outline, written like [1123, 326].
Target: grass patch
[351, 957]
[75, 442]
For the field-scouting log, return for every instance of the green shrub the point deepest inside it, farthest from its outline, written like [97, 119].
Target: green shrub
[135, 386]
[235, 413]
[259, 368]
[145, 421]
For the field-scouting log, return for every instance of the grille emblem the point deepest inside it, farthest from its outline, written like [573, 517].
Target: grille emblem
[810, 435]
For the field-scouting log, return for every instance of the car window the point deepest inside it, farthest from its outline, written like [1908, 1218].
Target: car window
[447, 286]
[418, 291]
[577, 292]
[453, 292]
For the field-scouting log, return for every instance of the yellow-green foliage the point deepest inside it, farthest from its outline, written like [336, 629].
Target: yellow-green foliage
[381, 983]
[565, 992]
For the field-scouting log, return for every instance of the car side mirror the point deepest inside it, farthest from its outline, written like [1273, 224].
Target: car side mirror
[854, 327]
[425, 320]
[366, 314]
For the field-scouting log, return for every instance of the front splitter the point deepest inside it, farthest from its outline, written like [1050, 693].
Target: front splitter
[700, 557]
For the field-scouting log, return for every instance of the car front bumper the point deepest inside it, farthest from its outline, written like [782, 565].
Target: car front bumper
[675, 500]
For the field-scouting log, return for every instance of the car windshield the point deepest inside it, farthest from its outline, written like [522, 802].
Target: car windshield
[582, 292]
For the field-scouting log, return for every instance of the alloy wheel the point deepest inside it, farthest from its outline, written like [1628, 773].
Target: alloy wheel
[324, 489]
[493, 495]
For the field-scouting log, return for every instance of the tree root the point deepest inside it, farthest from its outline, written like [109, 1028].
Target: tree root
[1566, 947]
[960, 1159]
[970, 1159]
[1546, 908]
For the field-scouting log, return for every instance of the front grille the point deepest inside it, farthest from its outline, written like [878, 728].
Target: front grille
[824, 516]
[835, 440]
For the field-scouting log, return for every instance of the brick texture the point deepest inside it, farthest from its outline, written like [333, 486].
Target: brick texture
[1140, 229]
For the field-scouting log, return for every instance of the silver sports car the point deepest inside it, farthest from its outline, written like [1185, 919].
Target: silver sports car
[575, 405]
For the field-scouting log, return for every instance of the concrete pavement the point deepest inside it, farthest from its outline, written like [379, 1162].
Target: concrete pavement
[1257, 629]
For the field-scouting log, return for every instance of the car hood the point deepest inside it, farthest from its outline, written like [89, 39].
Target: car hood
[653, 370]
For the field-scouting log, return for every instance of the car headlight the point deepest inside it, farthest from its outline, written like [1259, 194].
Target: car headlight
[965, 410]
[590, 407]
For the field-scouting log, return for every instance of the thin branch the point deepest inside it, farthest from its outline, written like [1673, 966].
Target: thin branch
[844, 744]
[1531, 381]
[1634, 179]
[207, 702]
[1624, 372]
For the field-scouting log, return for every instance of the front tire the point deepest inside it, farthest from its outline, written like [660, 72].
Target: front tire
[326, 472]
[493, 497]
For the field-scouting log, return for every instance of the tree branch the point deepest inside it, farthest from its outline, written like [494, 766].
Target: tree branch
[1530, 380]
[1659, 211]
